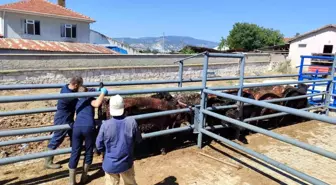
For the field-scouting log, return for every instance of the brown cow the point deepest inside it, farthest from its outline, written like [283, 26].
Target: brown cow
[144, 105]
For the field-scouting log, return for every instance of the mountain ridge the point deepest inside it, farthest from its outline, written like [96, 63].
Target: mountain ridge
[171, 43]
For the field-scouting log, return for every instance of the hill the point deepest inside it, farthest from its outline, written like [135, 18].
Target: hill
[171, 43]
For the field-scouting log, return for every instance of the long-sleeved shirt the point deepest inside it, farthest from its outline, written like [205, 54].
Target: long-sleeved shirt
[85, 113]
[116, 139]
[66, 107]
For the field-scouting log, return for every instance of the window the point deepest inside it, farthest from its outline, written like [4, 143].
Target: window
[68, 31]
[302, 45]
[328, 48]
[32, 27]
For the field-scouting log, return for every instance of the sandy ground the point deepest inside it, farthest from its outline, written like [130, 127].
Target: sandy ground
[186, 166]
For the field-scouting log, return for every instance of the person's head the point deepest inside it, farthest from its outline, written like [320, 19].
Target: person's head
[75, 83]
[82, 89]
[116, 106]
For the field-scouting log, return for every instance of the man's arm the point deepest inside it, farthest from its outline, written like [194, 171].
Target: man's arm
[100, 139]
[92, 89]
[96, 103]
[97, 89]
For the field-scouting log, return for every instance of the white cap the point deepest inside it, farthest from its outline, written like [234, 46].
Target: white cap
[116, 105]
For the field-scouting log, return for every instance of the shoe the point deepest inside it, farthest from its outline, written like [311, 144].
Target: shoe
[49, 164]
[84, 177]
[72, 176]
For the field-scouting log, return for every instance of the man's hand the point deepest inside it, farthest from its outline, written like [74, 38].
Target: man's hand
[104, 90]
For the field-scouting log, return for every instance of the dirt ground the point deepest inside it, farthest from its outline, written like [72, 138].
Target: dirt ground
[181, 166]
[187, 167]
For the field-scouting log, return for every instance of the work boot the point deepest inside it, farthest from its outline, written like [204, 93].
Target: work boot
[84, 177]
[49, 164]
[72, 176]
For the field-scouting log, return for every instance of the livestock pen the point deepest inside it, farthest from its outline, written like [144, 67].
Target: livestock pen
[202, 111]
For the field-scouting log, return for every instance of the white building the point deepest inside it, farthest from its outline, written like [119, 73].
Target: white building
[223, 49]
[39, 26]
[43, 20]
[322, 40]
[103, 40]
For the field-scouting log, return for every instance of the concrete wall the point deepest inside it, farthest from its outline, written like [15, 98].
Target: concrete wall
[98, 38]
[93, 68]
[50, 28]
[125, 73]
[45, 61]
[314, 44]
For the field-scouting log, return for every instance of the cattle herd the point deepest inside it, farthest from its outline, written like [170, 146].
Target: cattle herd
[165, 101]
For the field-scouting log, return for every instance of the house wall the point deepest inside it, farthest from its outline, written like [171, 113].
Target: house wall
[315, 44]
[50, 28]
[1, 24]
[97, 38]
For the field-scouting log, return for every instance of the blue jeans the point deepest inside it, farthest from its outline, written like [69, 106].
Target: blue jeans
[58, 138]
[80, 134]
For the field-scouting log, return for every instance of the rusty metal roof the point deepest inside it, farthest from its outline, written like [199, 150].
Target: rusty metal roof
[45, 8]
[52, 46]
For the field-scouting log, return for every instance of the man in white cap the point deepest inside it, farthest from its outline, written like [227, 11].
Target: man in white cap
[116, 139]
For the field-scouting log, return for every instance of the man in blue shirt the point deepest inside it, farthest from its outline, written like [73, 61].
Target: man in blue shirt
[116, 139]
[64, 115]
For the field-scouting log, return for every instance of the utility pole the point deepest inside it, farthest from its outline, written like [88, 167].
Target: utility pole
[163, 41]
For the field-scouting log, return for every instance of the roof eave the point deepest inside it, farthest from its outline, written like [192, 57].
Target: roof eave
[48, 15]
[314, 31]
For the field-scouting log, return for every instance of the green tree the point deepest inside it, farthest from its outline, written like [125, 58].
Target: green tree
[155, 51]
[222, 43]
[187, 50]
[297, 34]
[251, 36]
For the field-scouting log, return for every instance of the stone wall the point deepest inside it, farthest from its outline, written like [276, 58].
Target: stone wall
[109, 74]
[36, 69]
[57, 61]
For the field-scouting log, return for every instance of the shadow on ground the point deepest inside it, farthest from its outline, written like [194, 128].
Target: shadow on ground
[150, 148]
[258, 162]
[50, 177]
[171, 180]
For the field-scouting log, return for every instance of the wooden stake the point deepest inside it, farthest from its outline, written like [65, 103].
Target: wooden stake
[224, 162]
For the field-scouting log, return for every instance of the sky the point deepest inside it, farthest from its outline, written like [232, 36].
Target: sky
[209, 20]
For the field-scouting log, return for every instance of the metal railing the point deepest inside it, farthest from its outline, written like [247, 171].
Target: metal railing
[200, 127]
[329, 86]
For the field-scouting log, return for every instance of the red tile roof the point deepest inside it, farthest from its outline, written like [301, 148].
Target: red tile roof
[44, 7]
[52, 46]
[287, 39]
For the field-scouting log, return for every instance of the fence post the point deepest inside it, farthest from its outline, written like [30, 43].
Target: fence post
[240, 104]
[202, 116]
[241, 82]
[180, 73]
[331, 87]
[301, 69]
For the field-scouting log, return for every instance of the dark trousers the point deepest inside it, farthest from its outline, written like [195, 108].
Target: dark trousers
[80, 134]
[58, 138]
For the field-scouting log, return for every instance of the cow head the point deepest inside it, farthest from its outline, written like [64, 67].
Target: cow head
[303, 88]
[176, 102]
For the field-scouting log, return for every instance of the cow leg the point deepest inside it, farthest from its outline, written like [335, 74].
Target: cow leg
[240, 134]
[162, 144]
